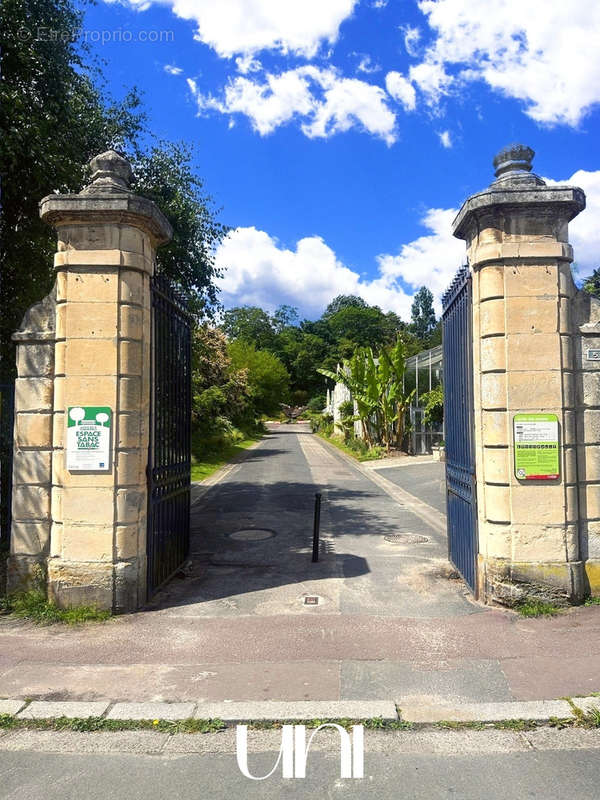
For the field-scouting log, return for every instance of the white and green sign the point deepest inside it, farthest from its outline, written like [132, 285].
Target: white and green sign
[88, 438]
[536, 447]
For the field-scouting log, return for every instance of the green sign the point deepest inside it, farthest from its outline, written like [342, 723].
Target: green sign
[536, 447]
[88, 438]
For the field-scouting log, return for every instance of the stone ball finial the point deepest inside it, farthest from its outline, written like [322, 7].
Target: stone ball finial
[110, 173]
[513, 158]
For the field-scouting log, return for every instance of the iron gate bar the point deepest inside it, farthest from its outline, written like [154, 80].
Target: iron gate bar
[7, 405]
[461, 498]
[169, 458]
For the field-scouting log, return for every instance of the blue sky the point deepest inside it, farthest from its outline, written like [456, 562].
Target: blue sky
[341, 136]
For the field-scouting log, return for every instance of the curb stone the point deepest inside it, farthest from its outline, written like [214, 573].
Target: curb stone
[231, 712]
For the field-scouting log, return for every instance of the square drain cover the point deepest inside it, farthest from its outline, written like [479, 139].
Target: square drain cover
[311, 600]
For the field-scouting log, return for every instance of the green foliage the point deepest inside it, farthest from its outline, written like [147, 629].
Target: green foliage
[251, 324]
[55, 117]
[35, 606]
[343, 301]
[93, 724]
[591, 284]
[433, 402]
[422, 313]
[592, 601]
[532, 607]
[317, 403]
[165, 175]
[268, 379]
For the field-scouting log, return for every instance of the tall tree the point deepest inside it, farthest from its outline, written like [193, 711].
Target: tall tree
[344, 301]
[251, 324]
[54, 117]
[422, 313]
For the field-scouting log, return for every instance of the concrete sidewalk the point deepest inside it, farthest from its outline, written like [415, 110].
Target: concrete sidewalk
[392, 621]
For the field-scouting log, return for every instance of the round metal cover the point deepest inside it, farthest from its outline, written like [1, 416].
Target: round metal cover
[252, 534]
[405, 538]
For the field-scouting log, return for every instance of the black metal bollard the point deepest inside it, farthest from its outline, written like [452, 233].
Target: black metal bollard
[317, 523]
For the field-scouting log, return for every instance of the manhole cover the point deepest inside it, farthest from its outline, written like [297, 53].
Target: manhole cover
[405, 538]
[252, 534]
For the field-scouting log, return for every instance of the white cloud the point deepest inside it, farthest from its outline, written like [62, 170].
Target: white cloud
[324, 101]
[233, 27]
[258, 271]
[172, 70]
[445, 139]
[401, 90]
[247, 63]
[366, 64]
[412, 37]
[584, 231]
[431, 260]
[543, 53]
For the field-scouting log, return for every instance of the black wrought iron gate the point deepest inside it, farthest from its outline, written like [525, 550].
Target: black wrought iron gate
[461, 498]
[170, 435]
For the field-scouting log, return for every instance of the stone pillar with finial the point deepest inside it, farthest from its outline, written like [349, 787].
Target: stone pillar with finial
[107, 239]
[516, 233]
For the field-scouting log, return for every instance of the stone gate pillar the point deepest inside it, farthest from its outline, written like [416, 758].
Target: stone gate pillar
[516, 233]
[107, 237]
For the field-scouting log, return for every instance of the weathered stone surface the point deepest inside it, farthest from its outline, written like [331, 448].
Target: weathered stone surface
[35, 360]
[31, 502]
[45, 709]
[32, 466]
[172, 711]
[33, 430]
[30, 538]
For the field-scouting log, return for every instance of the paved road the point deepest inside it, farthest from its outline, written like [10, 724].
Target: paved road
[468, 765]
[392, 622]
[425, 479]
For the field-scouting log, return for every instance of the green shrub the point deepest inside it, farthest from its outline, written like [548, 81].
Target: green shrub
[317, 403]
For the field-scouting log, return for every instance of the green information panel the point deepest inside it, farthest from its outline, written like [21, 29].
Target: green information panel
[88, 438]
[536, 447]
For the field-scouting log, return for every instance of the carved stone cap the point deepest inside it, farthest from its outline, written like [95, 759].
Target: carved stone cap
[515, 188]
[108, 199]
[110, 173]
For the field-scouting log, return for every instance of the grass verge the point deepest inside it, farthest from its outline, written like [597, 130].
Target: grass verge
[90, 724]
[336, 441]
[209, 461]
[35, 606]
[531, 607]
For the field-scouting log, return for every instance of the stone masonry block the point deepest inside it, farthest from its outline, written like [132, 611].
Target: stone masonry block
[131, 287]
[569, 467]
[130, 358]
[34, 394]
[491, 282]
[91, 321]
[582, 345]
[590, 540]
[566, 283]
[536, 542]
[588, 461]
[63, 477]
[91, 389]
[129, 430]
[30, 538]
[531, 315]
[588, 388]
[131, 325]
[497, 503]
[564, 315]
[495, 540]
[35, 360]
[31, 466]
[60, 358]
[566, 351]
[88, 258]
[538, 351]
[88, 505]
[493, 390]
[131, 505]
[588, 427]
[93, 285]
[492, 353]
[130, 393]
[91, 357]
[33, 430]
[130, 467]
[533, 391]
[133, 240]
[589, 501]
[491, 317]
[494, 428]
[127, 537]
[568, 384]
[56, 538]
[569, 427]
[88, 237]
[539, 503]
[531, 280]
[61, 320]
[58, 429]
[30, 502]
[72, 583]
[496, 464]
[57, 502]
[87, 542]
